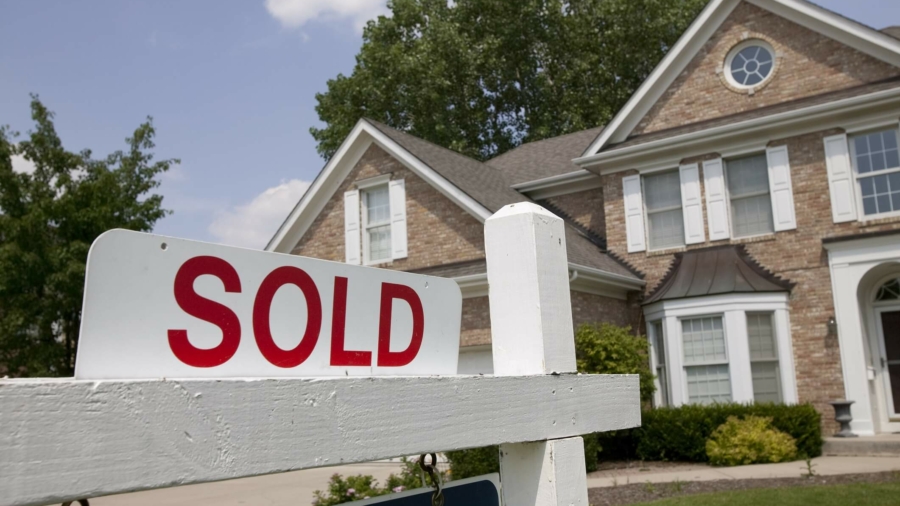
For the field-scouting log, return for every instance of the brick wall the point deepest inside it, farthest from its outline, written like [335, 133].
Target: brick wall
[585, 207]
[476, 322]
[796, 255]
[810, 64]
[439, 231]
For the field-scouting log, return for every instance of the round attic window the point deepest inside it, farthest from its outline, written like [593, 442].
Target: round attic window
[749, 64]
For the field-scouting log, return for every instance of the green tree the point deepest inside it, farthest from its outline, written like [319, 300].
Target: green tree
[483, 76]
[48, 220]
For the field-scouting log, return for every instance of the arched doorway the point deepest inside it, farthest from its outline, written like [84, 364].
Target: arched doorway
[881, 303]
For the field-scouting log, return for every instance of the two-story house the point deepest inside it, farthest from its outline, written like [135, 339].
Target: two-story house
[742, 209]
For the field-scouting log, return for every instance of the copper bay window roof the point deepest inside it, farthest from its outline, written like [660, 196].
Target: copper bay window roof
[714, 271]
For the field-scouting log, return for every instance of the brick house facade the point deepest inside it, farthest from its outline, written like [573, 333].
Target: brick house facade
[767, 140]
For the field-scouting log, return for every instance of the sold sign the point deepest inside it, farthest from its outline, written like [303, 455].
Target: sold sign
[161, 307]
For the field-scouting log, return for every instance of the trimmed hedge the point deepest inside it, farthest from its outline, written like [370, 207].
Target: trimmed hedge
[486, 460]
[680, 434]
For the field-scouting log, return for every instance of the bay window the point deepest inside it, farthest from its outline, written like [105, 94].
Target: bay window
[705, 360]
[763, 357]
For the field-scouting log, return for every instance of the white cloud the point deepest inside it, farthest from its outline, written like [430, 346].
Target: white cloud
[21, 165]
[252, 225]
[296, 13]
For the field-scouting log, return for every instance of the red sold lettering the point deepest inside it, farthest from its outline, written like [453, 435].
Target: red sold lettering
[206, 310]
[340, 356]
[386, 357]
[263, 303]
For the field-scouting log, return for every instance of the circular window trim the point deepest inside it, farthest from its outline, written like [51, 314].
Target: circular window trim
[726, 71]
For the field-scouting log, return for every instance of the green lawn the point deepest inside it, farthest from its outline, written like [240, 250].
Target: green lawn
[883, 494]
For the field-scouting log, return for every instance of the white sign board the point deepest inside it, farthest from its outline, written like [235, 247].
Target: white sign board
[158, 307]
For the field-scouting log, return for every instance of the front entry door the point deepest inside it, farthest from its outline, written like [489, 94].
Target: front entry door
[889, 328]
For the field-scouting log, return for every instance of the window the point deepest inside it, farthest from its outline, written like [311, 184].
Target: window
[749, 64]
[377, 223]
[665, 221]
[661, 372]
[705, 360]
[876, 161]
[889, 291]
[764, 369]
[748, 189]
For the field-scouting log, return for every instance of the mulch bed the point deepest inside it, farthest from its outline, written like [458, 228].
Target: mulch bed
[643, 492]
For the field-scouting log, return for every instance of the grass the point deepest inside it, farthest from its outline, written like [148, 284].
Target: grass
[864, 494]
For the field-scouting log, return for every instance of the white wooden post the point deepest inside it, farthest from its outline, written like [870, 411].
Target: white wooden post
[532, 334]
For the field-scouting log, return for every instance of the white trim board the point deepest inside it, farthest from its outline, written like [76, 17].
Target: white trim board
[562, 184]
[829, 24]
[336, 170]
[875, 108]
[163, 433]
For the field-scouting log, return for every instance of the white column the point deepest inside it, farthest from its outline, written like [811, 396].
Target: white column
[678, 384]
[785, 357]
[532, 334]
[738, 356]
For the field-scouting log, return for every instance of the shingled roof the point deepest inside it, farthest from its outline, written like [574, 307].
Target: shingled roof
[544, 158]
[714, 271]
[491, 188]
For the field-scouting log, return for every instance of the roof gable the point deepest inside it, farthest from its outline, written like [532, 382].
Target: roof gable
[850, 33]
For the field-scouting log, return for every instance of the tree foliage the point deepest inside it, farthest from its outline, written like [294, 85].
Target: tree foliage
[48, 220]
[482, 76]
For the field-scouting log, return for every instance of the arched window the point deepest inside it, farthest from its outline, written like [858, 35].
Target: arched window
[889, 291]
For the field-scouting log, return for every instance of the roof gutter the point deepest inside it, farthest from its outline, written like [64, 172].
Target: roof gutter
[553, 181]
[811, 115]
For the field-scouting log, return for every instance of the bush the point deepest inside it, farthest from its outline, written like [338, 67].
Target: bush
[610, 349]
[486, 460]
[749, 441]
[680, 434]
[358, 487]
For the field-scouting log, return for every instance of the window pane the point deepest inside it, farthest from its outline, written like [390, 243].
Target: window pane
[378, 206]
[761, 336]
[876, 151]
[752, 216]
[662, 191]
[379, 243]
[748, 175]
[708, 384]
[704, 340]
[660, 343]
[666, 229]
[881, 194]
[766, 384]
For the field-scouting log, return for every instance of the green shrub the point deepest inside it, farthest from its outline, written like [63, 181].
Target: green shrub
[680, 434]
[752, 440]
[358, 487]
[610, 349]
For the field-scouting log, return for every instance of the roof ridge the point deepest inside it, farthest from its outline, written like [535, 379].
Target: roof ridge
[379, 124]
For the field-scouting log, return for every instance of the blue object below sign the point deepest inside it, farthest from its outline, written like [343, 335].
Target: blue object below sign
[477, 491]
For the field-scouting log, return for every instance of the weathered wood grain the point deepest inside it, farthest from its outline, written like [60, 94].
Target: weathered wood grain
[66, 439]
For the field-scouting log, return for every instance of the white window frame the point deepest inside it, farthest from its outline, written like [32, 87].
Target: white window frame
[726, 69]
[857, 187]
[647, 212]
[733, 307]
[684, 365]
[731, 230]
[776, 359]
[365, 186]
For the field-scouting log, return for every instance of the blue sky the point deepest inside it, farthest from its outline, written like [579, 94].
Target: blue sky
[230, 84]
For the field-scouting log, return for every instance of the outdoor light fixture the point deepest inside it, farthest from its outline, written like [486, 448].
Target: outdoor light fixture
[832, 327]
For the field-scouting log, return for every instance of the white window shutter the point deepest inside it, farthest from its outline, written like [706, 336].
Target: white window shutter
[351, 228]
[716, 200]
[634, 213]
[840, 179]
[397, 190]
[781, 190]
[691, 204]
